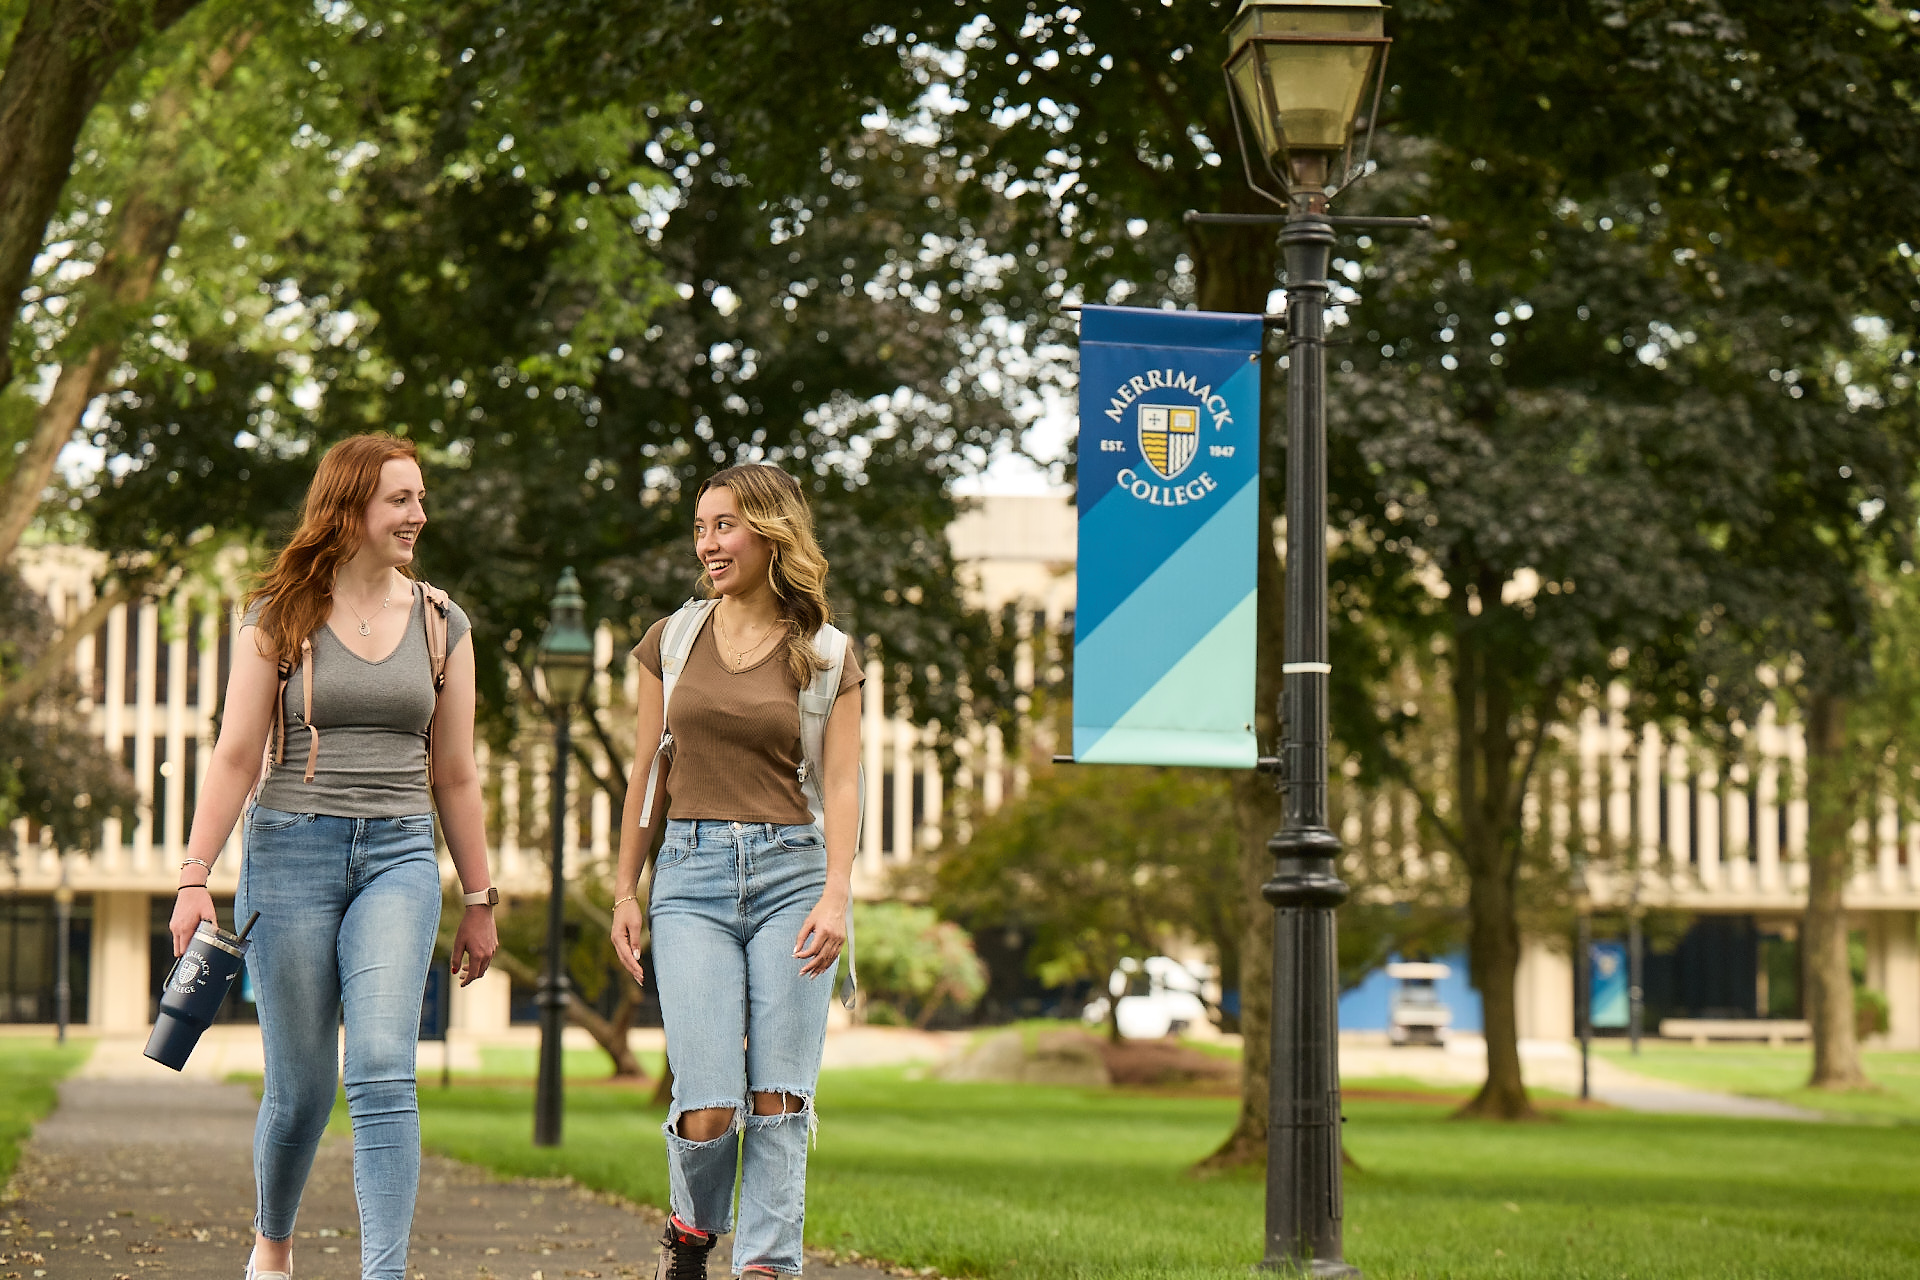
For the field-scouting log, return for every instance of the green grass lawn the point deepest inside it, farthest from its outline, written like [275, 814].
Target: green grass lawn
[29, 1070]
[575, 1064]
[1760, 1072]
[1022, 1183]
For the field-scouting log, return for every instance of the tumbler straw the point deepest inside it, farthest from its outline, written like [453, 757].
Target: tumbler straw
[251, 921]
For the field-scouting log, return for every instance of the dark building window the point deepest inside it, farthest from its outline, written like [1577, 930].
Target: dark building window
[190, 764]
[130, 669]
[160, 772]
[29, 957]
[195, 617]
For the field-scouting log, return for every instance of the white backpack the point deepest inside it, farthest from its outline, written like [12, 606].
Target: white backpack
[816, 704]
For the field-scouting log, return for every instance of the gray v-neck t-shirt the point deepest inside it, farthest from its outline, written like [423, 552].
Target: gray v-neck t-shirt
[372, 718]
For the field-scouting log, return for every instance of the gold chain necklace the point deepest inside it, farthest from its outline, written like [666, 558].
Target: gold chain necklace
[740, 656]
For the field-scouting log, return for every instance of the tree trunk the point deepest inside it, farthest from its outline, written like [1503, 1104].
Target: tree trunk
[1486, 791]
[1257, 815]
[1256, 807]
[1493, 951]
[63, 55]
[1836, 1050]
[144, 228]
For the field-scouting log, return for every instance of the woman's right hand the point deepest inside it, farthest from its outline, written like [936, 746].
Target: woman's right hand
[190, 906]
[629, 937]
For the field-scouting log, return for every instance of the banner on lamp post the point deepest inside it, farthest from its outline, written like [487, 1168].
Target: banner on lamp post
[1164, 626]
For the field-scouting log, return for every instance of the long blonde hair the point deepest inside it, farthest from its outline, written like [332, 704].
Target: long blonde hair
[773, 506]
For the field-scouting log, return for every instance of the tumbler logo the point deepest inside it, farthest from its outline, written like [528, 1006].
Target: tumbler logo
[187, 975]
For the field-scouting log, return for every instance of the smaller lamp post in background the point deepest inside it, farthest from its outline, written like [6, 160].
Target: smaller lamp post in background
[566, 662]
[62, 963]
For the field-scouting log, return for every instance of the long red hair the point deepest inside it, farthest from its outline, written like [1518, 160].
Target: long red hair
[298, 589]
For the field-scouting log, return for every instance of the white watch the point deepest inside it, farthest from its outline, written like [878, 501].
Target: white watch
[487, 897]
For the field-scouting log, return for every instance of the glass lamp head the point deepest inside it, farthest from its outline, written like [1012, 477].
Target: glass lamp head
[1303, 81]
[566, 651]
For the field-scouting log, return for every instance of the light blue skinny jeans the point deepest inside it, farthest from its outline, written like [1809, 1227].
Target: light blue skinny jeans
[349, 908]
[728, 901]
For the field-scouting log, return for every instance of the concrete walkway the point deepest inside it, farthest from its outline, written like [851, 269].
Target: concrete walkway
[151, 1175]
[1552, 1064]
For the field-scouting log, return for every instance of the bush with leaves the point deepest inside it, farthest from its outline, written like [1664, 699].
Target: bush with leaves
[913, 962]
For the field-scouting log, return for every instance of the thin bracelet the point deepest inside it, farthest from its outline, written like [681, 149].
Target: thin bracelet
[196, 862]
[632, 897]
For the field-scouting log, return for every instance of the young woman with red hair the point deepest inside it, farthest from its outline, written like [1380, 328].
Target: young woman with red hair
[334, 669]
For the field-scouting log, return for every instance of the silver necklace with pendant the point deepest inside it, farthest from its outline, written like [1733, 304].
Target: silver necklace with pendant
[366, 624]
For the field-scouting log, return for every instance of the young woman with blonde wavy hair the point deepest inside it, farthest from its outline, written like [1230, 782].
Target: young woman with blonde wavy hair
[750, 896]
[334, 668]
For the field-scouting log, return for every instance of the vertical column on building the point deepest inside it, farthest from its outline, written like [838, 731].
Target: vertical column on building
[1893, 969]
[1766, 841]
[509, 842]
[1887, 846]
[234, 853]
[172, 838]
[932, 792]
[993, 783]
[1796, 850]
[1651, 765]
[1707, 819]
[1735, 839]
[1679, 802]
[873, 695]
[120, 969]
[901, 735]
[1588, 747]
[146, 642]
[1860, 840]
[1912, 839]
[1619, 775]
[112, 728]
[83, 658]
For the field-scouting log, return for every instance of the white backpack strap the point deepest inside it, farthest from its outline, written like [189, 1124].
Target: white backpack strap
[816, 706]
[676, 642]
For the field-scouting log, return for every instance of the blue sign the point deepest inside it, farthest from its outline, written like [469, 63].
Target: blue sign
[1607, 965]
[1164, 627]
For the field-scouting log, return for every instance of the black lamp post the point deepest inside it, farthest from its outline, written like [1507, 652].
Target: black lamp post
[1304, 79]
[566, 660]
[62, 964]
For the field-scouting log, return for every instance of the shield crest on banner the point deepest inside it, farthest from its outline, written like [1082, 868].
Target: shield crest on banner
[1169, 437]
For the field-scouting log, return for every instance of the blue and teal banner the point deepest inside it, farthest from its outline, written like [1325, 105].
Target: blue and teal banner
[1611, 1001]
[1163, 630]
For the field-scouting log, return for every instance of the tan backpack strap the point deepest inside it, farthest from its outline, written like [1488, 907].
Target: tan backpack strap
[277, 752]
[434, 615]
[306, 706]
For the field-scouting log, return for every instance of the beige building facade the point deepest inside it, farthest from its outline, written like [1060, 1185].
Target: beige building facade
[1677, 833]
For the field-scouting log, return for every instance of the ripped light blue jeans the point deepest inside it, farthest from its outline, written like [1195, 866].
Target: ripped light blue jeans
[348, 912]
[727, 904]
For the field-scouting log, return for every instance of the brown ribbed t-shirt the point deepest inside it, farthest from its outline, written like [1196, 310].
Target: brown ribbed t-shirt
[736, 734]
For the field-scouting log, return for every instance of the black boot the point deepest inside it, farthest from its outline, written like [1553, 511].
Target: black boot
[683, 1252]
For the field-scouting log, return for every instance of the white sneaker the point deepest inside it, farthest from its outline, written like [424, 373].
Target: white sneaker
[265, 1275]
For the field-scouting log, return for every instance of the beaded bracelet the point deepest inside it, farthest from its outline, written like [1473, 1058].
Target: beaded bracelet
[632, 897]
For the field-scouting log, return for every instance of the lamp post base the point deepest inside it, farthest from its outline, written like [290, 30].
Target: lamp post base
[1318, 1268]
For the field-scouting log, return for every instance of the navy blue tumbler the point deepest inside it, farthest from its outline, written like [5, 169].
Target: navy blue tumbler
[197, 987]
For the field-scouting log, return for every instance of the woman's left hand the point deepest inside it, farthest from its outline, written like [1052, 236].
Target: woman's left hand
[474, 943]
[822, 935]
